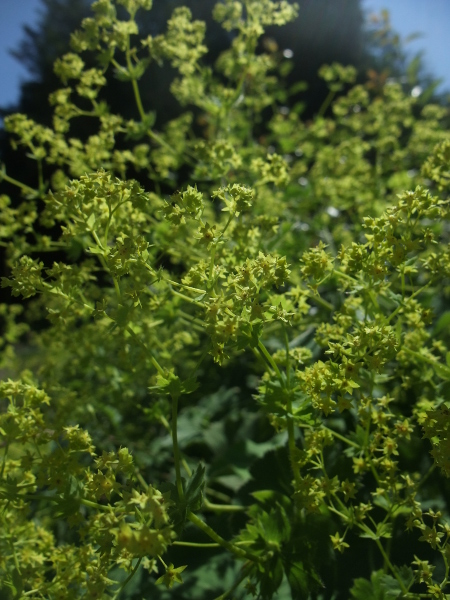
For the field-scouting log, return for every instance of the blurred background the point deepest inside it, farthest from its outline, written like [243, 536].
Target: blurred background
[34, 32]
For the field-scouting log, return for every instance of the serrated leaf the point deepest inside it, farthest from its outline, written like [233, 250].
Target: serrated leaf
[298, 580]
[390, 587]
[406, 574]
[270, 579]
[380, 587]
[363, 590]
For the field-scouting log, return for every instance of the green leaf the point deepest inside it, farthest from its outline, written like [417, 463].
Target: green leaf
[364, 590]
[91, 221]
[299, 580]
[123, 74]
[406, 574]
[442, 371]
[172, 384]
[390, 586]
[95, 250]
[189, 385]
[270, 579]
[383, 530]
[271, 497]
[443, 323]
[380, 587]
[192, 499]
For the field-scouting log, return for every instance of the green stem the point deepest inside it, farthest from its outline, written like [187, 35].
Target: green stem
[342, 438]
[137, 97]
[117, 288]
[267, 357]
[196, 544]
[40, 177]
[130, 576]
[343, 275]
[222, 507]
[162, 561]
[290, 416]
[239, 552]
[427, 474]
[66, 297]
[218, 495]
[426, 359]
[321, 302]
[186, 467]
[207, 545]
[338, 513]
[292, 445]
[195, 323]
[326, 103]
[176, 449]
[400, 306]
[134, 83]
[213, 252]
[25, 188]
[389, 564]
[288, 360]
[153, 360]
[97, 241]
[11, 496]
[191, 300]
[245, 572]
[4, 460]
[447, 569]
[186, 287]
[142, 480]
[92, 504]
[140, 106]
[83, 501]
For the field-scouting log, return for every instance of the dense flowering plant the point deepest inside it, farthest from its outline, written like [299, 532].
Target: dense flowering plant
[228, 370]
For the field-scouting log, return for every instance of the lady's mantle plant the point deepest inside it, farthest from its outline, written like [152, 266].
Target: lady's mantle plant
[231, 366]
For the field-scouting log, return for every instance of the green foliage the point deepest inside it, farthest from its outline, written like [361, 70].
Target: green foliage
[232, 353]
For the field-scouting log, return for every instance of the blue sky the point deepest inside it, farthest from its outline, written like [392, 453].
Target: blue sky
[13, 15]
[429, 17]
